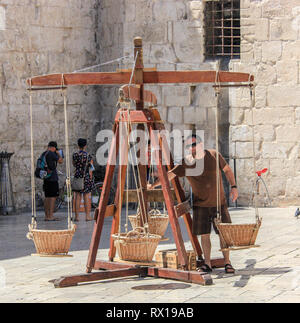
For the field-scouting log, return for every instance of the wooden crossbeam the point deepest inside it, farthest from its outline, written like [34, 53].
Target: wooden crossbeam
[152, 195]
[195, 77]
[149, 77]
[182, 208]
[109, 211]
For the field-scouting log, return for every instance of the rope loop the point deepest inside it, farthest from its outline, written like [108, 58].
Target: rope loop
[217, 93]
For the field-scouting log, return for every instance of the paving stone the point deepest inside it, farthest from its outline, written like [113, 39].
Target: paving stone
[266, 274]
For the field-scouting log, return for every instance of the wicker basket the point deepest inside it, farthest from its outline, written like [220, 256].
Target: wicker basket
[239, 236]
[51, 242]
[136, 245]
[158, 222]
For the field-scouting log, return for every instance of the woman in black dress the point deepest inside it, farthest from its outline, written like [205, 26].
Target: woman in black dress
[83, 163]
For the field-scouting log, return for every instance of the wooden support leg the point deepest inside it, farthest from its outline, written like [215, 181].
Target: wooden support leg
[187, 217]
[103, 201]
[180, 196]
[74, 280]
[170, 205]
[118, 203]
[186, 276]
[123, 157]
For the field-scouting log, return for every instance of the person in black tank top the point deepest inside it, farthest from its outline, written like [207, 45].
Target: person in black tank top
[51, 187]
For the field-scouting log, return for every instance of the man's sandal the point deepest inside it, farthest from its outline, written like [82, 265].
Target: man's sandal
[229, 269]
[204, 269]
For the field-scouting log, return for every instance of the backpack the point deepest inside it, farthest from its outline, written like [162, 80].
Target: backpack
[41, 170]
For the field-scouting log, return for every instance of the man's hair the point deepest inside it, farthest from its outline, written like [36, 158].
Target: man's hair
[198, 138]
[81, 142]
[52, 144]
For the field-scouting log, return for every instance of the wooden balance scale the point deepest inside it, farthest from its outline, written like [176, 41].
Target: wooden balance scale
[97, 269]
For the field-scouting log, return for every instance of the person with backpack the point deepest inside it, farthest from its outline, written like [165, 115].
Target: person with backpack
[46, 170]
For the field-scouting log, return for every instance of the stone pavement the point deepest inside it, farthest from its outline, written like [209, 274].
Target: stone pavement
[270, 273]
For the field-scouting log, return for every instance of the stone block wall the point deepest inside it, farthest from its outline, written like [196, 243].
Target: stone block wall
[42, 37]
[270, 50]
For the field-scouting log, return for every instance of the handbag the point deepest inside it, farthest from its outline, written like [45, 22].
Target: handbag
[78, 182]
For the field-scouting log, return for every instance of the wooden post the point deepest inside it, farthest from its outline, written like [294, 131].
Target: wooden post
[162, 174]
[139, 80]
[180, 196]
[103, 201]
[123, 158]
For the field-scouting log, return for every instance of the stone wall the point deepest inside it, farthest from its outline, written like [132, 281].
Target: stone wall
[270, 50]
[42, 37]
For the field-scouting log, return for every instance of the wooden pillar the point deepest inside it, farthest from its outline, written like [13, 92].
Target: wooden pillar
[180, 196]
[118, 201]
[163, 177]
[94, 245]
[139, 80]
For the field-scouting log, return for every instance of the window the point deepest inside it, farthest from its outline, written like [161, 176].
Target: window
[222, 28]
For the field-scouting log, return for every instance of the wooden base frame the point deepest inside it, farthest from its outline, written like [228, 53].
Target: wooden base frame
[111, 270]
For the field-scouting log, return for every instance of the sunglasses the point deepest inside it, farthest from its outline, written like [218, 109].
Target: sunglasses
[194, 144]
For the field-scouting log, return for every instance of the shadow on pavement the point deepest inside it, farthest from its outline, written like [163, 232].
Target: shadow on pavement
[251, 271]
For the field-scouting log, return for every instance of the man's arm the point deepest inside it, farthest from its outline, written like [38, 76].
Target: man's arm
[171, 176]
[230, 178]
[60, 159]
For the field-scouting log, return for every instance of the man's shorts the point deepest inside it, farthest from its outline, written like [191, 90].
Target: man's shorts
[51, 189]
[203, 219]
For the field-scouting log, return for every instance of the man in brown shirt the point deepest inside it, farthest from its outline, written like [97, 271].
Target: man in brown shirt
[204, 190]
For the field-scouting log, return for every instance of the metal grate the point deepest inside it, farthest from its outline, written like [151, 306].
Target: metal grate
[222, 28]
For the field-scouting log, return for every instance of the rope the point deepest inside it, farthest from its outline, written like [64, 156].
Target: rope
[139, 187]
[252, 103]
[127, 180]
[217, 93]
[120, 119]
[120, 183]
[68, 167]
[106, 63]
[33, 201]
